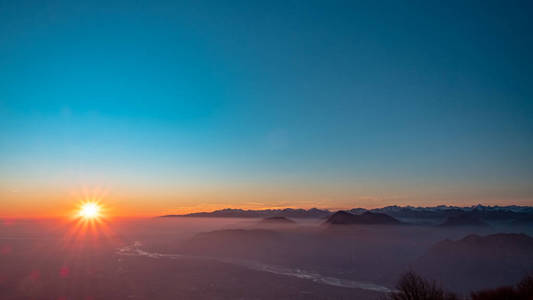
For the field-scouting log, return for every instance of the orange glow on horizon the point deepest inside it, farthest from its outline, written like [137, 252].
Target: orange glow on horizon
[136, 202]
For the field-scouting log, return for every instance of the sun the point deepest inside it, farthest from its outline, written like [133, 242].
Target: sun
[90, 210]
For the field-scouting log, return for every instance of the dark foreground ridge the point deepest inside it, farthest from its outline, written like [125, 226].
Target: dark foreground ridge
[496, 259]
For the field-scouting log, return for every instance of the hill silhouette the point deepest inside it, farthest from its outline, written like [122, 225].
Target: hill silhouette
[277, 220]
[366, 218]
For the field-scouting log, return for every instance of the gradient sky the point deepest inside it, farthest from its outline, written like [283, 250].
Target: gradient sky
[163, 107]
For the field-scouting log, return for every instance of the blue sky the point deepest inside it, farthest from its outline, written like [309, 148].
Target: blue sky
[330, 102]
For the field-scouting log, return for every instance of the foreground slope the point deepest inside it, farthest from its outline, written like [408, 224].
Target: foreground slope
[478, 262]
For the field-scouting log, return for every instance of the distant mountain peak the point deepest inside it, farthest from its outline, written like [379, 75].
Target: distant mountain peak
[366, 218]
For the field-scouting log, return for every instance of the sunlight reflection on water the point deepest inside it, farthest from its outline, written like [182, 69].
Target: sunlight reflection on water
[134, 250]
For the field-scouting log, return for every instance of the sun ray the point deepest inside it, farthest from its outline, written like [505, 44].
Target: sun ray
[89, 217]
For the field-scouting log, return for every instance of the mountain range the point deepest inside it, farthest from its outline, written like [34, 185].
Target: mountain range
[446, 215]
[264, 213]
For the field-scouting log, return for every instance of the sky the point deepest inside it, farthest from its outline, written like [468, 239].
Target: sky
[160, 107]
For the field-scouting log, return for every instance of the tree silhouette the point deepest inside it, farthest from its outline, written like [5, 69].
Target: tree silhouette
[413, 287]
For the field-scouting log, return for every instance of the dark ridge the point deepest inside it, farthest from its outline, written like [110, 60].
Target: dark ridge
[366, 218]
[241, 243]
[526, 220]
[465, 219]
[277, 220]
[489, 213]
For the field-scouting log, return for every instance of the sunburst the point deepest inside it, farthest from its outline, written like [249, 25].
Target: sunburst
[90, 210]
